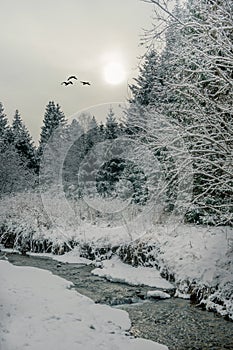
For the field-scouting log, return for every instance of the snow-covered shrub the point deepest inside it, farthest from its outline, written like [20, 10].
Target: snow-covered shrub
[138, 253]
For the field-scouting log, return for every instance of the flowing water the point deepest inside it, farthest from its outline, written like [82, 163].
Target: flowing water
[173, 321]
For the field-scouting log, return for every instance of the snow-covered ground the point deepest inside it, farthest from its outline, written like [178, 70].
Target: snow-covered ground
[39, 311]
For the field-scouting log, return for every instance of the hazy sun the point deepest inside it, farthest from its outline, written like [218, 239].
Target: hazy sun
[114, 73]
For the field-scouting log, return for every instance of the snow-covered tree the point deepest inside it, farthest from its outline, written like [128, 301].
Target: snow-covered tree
[3, 120]
[101, 131]
[109, 175]
[203, 91]
[5, 130]
[23, 141]
[142, 88]
[53, 119]
[196, 93]
[111, 126]
[14, 173]
[92, 135]
[74, 157]
[141, 91]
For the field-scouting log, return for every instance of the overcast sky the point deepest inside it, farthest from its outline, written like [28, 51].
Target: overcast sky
[43, 42]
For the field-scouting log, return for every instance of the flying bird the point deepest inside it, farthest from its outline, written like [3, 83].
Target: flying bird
[67, 83]
[85, 83]
[72, 77]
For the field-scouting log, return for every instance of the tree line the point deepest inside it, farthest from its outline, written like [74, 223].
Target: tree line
[190, 83]
[20, 159]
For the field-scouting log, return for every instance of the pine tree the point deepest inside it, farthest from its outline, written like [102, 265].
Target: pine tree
[141, 91]
[101, 132]
[133, 174]
[111, 126]
[3, 120]
[23, 141]
[109, 175]
[5, 132]
[92, 135]
[14, 173]
[53, 118]
[74, 156]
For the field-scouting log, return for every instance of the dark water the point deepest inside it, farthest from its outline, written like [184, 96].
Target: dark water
[173, 322]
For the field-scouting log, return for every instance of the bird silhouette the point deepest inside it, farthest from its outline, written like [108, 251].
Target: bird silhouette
[72, 77]
[85, 83]
[67, 83]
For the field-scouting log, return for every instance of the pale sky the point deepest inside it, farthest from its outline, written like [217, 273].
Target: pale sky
[43, 42]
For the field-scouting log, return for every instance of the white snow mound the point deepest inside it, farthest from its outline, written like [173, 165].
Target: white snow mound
[116, 271]
[157, 294]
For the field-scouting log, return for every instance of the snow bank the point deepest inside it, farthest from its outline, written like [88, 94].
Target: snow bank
[157, 294]
[38, 311]
[72, 257]
[178, 294]
[194, 252]
[200, 260]
[116, 271]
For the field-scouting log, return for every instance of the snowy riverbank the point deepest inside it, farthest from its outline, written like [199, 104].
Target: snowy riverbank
[39, 311]
[197, 260]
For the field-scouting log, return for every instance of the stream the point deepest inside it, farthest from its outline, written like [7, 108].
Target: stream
[173, 322]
